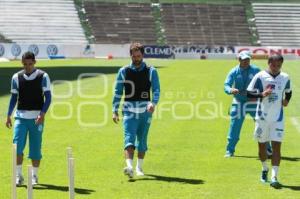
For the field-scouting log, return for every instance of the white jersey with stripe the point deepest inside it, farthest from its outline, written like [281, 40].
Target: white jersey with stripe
[270, 108]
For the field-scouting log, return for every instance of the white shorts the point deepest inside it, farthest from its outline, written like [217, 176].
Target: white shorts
[268, 131]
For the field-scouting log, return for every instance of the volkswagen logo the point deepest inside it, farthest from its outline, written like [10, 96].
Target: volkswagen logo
[2, 50]
[16, 50]
[34, 49]
[52, 50]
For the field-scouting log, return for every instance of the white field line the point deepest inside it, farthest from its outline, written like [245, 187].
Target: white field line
[296, 123]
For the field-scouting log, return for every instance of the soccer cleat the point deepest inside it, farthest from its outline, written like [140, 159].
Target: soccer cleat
[264, 176]
[139, 171]
[128, 171]
[269, 152]
[19, 180]
[274, 183]
[228, 154]
[35, 180]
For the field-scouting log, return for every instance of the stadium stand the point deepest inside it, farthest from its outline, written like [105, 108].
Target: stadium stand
[40, 21]
[120, 23]
[278, 24]
[209, 24]
[3, 39]
[182, 24]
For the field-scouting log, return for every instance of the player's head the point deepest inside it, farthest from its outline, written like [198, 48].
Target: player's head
[275, 62]
[244, 58]
[136, 53]
[28, 60]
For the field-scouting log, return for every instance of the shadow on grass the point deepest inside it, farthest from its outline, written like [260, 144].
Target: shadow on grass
[62, 188]
[294, 188]
[22, 186]
[244, 156]
[66, 73]
[168, 179]
[292, 159]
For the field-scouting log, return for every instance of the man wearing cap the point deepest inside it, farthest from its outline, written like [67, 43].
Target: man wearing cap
[236, 84]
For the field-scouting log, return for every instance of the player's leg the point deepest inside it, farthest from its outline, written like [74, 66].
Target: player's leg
[251, 110]
[130, 123]
[277, 133]
[35, 145]
[142, 135]
[19, 138]
[262, 135]
[269, 149]
[276, 146]
[262, 153]
[236, 122]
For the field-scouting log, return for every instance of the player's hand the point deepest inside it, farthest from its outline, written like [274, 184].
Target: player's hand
[8, 122]
[267, 92]
[285, 102]
[40, 119]
[116, 118]
[234, 91]
[150, 107]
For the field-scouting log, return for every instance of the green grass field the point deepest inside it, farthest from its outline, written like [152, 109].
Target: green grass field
[185, 157]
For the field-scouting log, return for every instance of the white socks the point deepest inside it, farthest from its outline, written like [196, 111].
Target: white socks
[140, 163]
[274, 171]
[19, 170]
[129, 163]
[264, 166]
[35, 171]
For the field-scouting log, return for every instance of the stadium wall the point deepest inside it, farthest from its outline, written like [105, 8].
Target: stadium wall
[45, 51]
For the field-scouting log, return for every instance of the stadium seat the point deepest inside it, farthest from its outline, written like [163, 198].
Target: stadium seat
[39, 21]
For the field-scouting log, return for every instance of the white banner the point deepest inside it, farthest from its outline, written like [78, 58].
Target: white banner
[113, 50]
[43, 51]
[15, 51]
[263, 52]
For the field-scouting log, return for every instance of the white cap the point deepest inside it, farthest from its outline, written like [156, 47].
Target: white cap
[245, 54]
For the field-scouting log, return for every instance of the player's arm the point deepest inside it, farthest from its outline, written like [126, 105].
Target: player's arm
[155, 90]
[255, 94]
[288, 94]
[48, 97]
[12, 102]
[255, 89]
[229, 82]
[119, 86]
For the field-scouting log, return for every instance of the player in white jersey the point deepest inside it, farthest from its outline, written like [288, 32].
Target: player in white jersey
[273, 89]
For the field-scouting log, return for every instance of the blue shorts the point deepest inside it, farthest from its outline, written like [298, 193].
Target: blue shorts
[22, 127]
[136, 127]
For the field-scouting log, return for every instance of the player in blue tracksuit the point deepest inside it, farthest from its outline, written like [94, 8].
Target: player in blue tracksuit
[138, 80]
[30, 90]
[236, 84]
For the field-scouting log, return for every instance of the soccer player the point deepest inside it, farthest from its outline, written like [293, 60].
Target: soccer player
[137, 80]
[30, 90]
[236, 84]
[270, 86]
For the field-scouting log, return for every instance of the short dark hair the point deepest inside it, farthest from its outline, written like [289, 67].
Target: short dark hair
[136, 47]
[275, 57]
[28, 55]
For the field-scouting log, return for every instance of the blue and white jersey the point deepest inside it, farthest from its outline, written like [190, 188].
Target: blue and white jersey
[270, 108]
[46, 86]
